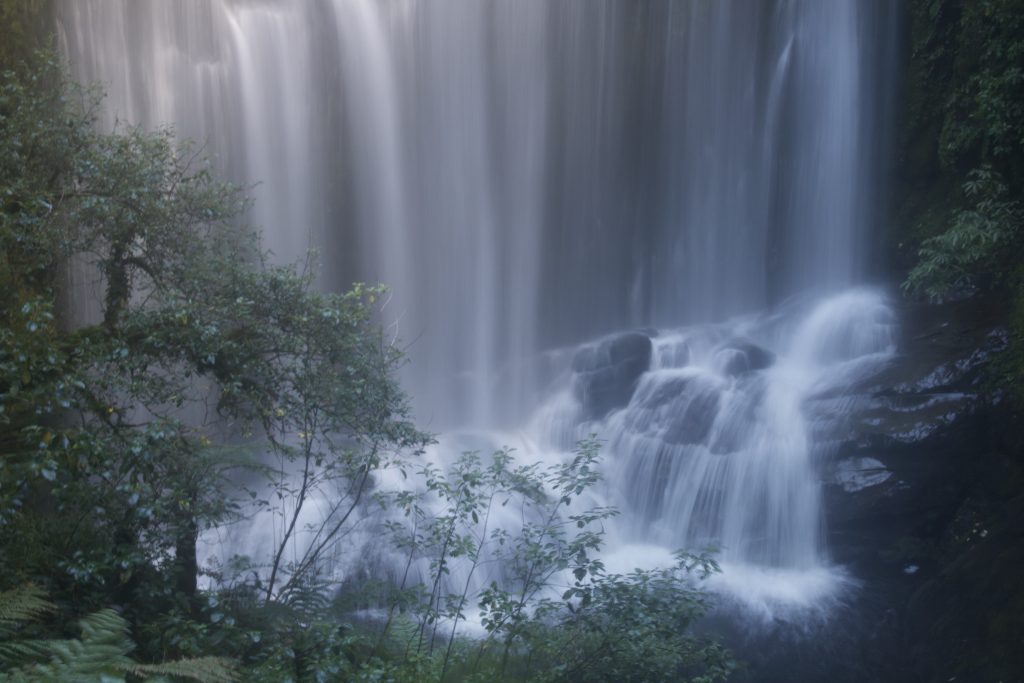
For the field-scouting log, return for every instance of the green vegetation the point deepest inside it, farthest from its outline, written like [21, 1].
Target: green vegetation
[101, 652]
[23, 23]
[208, 386]
[962, 201]
[964, 157]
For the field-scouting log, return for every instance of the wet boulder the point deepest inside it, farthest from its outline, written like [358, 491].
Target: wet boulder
[606, 372]
[741, 357]
[680, 408]
[738, 419]
[856, 474]
[695, 416]
[908, 442]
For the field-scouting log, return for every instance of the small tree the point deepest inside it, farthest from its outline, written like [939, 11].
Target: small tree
[118, 432]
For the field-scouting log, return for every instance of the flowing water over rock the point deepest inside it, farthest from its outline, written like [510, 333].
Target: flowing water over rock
[531, 175]
[717, 445]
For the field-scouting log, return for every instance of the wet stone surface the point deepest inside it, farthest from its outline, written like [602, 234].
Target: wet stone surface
[606, 372]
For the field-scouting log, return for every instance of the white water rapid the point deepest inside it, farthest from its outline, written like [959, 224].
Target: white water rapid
[695, 179]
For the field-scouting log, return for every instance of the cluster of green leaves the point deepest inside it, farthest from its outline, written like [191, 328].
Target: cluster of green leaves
[982, 245]
[550, 611]
[553, 538]
[633, 627]
[964, 137]
[984, 105]
[23, 23]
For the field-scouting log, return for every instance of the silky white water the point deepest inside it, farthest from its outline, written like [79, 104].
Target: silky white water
[711, 453]
[529, 176]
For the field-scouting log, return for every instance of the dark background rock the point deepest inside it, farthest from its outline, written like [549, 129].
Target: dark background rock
[939, 544]
[937, 547]
[740, 357]
[606, 373]
[692, 422]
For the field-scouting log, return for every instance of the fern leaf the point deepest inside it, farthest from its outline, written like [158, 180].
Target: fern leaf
[308, 597]
[23, 605]
[100, 655]
[20, 652]
[404, 631]
[201, 669]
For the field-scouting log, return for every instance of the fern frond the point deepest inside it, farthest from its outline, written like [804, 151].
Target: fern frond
[403, 631]
[201, 669]
[100, 654]
[22, 605]
[106, 627]
[308, 597]
[20, 652]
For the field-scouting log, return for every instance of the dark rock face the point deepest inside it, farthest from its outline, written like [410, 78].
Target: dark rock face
[914, 421]
[695, 422]
[681, 409]
[741, 357]
[966, 620]
[923, 474]
[606, 373]
[920, 507]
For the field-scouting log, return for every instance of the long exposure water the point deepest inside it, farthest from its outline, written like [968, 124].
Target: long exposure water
[645, 220]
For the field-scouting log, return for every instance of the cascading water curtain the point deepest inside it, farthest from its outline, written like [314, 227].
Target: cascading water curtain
[530, 175]
[524, 174]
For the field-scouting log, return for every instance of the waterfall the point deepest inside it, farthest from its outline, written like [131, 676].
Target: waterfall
[530, 176]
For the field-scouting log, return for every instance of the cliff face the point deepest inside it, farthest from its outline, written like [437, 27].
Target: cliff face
[916, 436]
[924, 511]
[934, 517]
[924, 503]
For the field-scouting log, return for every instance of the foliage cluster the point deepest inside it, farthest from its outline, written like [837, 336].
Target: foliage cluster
[519, 542]
[101, 653]
[23, 23]
[118, 430]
